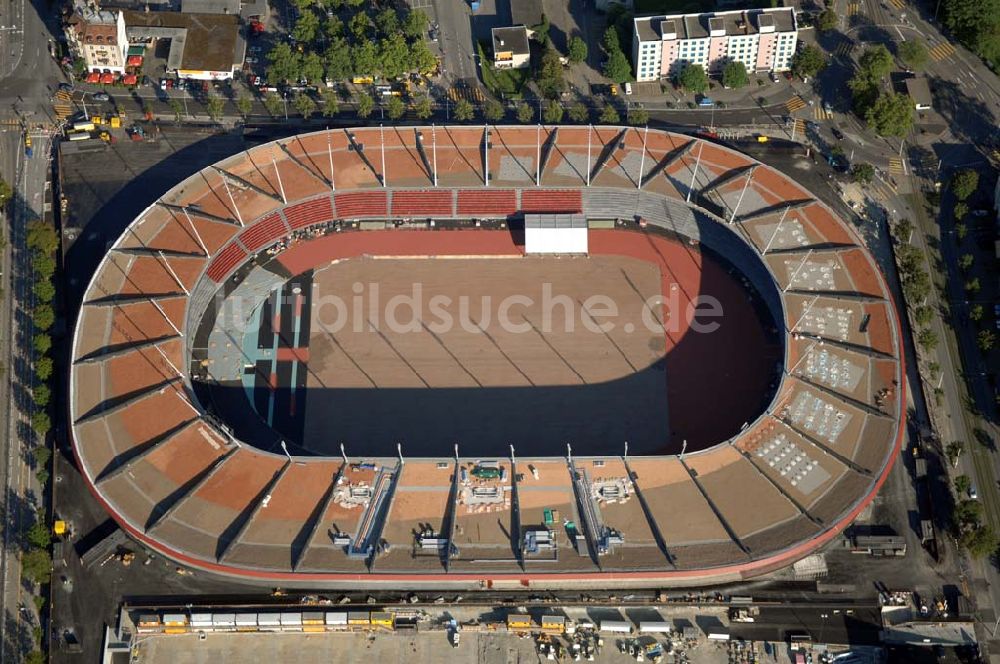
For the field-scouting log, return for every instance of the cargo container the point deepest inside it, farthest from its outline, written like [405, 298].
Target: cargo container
[336, 619]
[149, 620]
[246, 622]
[174, 619]
[358, 618]
[224, 622]
[291, 622]
[82, 136]
[313, 618]
[518, 621]
[201, 619]
[269, 622]
[554, 623]
[616, 626]
[382, 619]
[652, 627]
[85, 125]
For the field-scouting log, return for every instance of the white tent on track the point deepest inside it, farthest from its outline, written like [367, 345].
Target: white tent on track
[555, 234]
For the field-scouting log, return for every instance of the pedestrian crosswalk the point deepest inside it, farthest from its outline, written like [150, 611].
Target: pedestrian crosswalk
[795, 103]
[471, 93]
[853, 8]
[10, 122]
[942, 51]
[820, 114]
[896, 166]
[800, 128]
[62, 105]
[898, 4]
[844, 48]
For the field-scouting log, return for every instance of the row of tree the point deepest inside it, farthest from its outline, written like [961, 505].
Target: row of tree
[888, 113]
[976, 24]
[385, 44]
[967, 521]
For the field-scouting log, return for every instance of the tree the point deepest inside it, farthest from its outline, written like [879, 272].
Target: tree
[306, 27]
[976, 312]
[422, 107]
[366, 105]
[415, 24]
[41, 343]
[965, 261]
[964, 183]
[577, 50]
[927, 339]
[610, 41]
[43, 316]
[44, 290]
[863, 174]
[827, 20]
[41, 454]
[387, 22]
[394, 56]
[40, 422]
[331, 105]
[973, 286]
[43, 367]
[734, 74]
[891, 115]
[961, 230]
[365, 58]
[923, 315]
[693, 78]
[359, 26]
[42, 237]
[284, 64]
[178, 108]
[962, 484]
[38, 535]
[337, 58]
[6, 192]
[312, 67]
[550, 74]
[914, 54]
[395, 108]
[959, 211]
[463, 111]
[542, 31]
[553, 112]
[618, 68]
[36, 565]
[609, 115]
[981, 542]
[638, 117]
[953, 451]
[578, 112]
[876, 62]
[273, 103]
[524, 113]
[333, 27]
[493, 110]
[975, 23]
[213, 106]
[41, 394]
[244, 105]
[304, 104]
[986, 340]
[421, 58]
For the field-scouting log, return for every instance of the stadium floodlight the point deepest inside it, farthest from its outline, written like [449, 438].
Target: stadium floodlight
[329, 155]
[277, 174]
[284, 448]
[626, 451]
[343, 454]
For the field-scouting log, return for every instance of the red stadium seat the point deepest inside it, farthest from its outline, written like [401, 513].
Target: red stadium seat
[433, 203]
[362, 204]
[551, 200]
[316, 211]
[264, 232]
[225, 261]
[498, 203]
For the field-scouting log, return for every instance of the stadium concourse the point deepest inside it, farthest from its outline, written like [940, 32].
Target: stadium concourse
[151, 345]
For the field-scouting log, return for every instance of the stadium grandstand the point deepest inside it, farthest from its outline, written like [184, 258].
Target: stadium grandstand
[222, 426]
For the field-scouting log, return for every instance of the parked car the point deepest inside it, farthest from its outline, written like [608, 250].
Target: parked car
[628, 88]
[839, 135]
[102, 96]
[981, 213]
[973, 493]
[66, 87]
[827, 107]
[163, 83]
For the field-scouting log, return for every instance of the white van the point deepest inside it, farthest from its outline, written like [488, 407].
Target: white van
[628, 88]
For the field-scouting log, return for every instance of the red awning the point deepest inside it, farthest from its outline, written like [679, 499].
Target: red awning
[93, 77]
[130, 79]
[107, 79]
[134, 60]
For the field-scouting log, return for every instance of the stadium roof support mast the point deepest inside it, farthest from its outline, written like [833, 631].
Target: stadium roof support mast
[486, 155]
[538, 155]
[739, 201]
[343, 454]
[642, 160]
[172, 273]
[232, 200]
[195, 231]
[590, 130]
[381, 133]
[165, 317]
[777, 228]
[791, 279]
[399, 452]
[694, 174]
[329, 155]
[434, 153]
[281, 187]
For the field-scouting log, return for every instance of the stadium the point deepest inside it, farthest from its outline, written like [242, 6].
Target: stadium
[470, 356]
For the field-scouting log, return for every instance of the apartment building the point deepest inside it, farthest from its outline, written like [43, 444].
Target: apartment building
[762, 39]
[98, 36]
